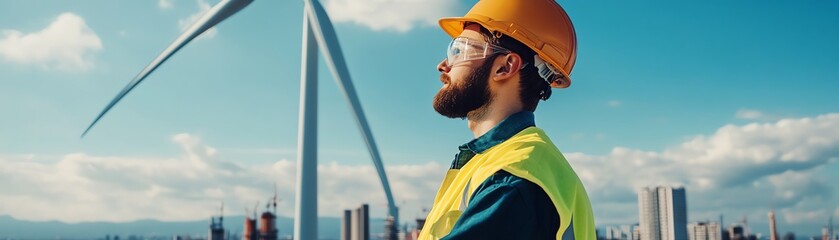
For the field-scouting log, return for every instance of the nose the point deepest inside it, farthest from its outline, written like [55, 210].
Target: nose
[443, 66]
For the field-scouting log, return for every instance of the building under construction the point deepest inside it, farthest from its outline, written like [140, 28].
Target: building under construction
[267, 223]
[391, 229]
[217, 228]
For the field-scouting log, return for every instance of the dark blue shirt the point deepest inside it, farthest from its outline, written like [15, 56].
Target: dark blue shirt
[504, 206]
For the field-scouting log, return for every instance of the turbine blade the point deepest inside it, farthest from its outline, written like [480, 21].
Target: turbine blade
[215, 15]
[328, 42]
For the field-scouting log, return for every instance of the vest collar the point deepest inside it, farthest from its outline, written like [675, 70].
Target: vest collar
[504, 130]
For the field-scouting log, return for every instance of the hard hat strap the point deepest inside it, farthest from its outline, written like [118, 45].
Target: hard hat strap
[546, 70]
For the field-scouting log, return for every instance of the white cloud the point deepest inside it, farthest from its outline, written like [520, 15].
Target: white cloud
[614, 103]
[164, 4]
[399, 15]
[812, 216]
[185, 23]
[738, 169]
[67, 44]
[735, 169]
[189, 187]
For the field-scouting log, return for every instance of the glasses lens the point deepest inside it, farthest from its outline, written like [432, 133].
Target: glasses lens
[456, 51]
[464, 49]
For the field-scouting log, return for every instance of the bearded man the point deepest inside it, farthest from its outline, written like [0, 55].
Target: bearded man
[510, 181]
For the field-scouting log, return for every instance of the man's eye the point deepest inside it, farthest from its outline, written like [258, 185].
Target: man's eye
[455, 50]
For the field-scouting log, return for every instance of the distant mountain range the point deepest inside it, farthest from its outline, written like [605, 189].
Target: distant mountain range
[11, 228]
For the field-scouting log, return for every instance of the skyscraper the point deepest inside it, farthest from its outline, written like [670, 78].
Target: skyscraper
[363, 223]
[773, 231]
[346, 225]
[663, 213]
[648, 207]
[355, 224]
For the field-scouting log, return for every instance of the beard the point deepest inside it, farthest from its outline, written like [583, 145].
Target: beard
[463, 97]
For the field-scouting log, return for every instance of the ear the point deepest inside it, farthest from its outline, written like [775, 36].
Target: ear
[506, 66]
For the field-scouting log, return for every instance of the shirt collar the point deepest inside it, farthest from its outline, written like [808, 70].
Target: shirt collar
[504, 130]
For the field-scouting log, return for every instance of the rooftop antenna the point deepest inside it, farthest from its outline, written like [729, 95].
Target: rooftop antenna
[746, 228]
[318, 33]
[275, 199]
[255, 207]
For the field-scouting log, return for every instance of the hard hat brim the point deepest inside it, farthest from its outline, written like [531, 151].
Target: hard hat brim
[453, 26]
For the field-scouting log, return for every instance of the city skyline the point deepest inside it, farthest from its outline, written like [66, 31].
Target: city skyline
[658, 98]
[663, 213]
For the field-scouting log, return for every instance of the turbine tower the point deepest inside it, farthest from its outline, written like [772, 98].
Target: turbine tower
[318, 32]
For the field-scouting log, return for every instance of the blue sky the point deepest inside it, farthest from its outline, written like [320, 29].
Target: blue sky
[735, 100]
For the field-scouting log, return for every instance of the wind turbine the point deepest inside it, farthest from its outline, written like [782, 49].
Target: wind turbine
[317, 32]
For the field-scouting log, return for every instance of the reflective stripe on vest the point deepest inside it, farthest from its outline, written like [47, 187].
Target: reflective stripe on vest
[464, 198]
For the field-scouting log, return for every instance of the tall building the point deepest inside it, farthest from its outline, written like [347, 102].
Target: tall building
[704, 231]
[773, 231]
[346, 225]
[663, 213]
[356, 226]
[648, 207]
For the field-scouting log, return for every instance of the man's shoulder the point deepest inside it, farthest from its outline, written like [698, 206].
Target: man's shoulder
[531, 137]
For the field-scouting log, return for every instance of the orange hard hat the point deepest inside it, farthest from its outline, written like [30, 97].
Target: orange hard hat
[542, 25]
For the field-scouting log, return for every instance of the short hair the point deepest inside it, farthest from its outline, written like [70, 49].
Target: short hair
[532, 87]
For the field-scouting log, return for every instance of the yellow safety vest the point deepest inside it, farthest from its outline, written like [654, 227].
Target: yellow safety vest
[529, 155]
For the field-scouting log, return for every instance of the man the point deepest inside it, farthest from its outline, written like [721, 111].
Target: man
[510, 182]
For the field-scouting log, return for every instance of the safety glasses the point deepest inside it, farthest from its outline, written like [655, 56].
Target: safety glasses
[463, 49]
